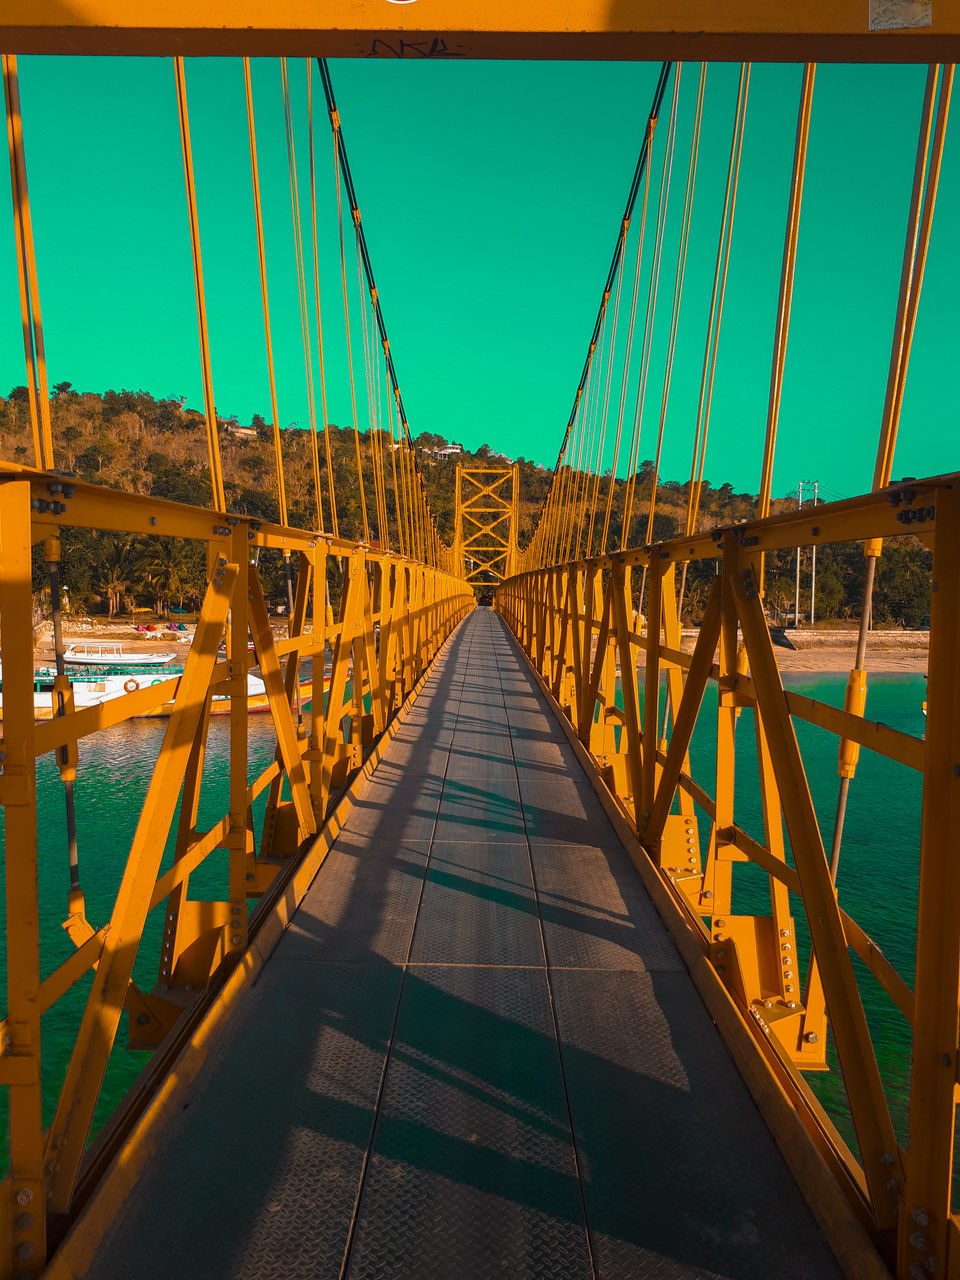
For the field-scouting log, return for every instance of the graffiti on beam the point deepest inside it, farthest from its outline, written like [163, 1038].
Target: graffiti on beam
[435, 48]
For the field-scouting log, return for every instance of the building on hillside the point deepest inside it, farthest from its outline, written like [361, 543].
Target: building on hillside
[233, 428]
[446, 451]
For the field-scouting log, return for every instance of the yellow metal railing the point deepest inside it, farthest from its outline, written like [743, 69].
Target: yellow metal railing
[393, 615]
[602, 662]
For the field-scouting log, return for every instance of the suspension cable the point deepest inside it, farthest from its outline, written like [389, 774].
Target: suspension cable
[393, 452]
[27, 273]
[786, 287]
[602, 435]
[377, 415]
[335, 122]
[344, 169]
[651, 126]
[578, 465]
[663, 199]
[612, 272]
[213, 443]
[716, 303]
[331, 487]
[373, 408]
[258, 216]
[677, 291]
[914, 262]
[919, 225]
[588, 454]
[301, 287]
[618, 247]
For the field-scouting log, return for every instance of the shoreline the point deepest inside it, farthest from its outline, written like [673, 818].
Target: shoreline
[830, 661]
[884, 656]
[888, 658]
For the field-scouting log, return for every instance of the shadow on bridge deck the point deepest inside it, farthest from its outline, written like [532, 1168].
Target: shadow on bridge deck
[475, 1052]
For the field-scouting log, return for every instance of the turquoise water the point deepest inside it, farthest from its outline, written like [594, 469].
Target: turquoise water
[112, 781]
[877, 881]
[879, 865]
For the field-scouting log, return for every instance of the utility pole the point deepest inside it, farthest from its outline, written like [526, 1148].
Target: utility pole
[813, 562]
[796, 597]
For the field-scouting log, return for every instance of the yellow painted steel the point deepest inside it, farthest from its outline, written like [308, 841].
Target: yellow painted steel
[579, 623]
[843, 30]
[578, 626]
[393, 616]
[486, 515]
[264, 293]
[210, 411]
[790, 240]
[27, 272]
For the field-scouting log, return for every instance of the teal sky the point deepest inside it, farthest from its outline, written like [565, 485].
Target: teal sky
[491, 195]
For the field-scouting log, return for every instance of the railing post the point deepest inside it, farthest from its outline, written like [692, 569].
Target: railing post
[318, 666]
[235, 933]
[925, 1231]
[651, 690]
[25, 1207]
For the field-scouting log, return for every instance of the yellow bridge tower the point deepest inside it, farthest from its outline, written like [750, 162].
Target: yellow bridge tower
[486, 544]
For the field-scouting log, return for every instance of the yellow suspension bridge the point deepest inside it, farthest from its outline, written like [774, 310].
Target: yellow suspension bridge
[476, 996]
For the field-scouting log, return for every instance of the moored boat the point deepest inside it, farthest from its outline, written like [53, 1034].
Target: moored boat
[88, 653]
[98, 684]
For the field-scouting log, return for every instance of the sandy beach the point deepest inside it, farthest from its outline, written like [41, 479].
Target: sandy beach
[887, 651]
[906, 661]
[124, 631]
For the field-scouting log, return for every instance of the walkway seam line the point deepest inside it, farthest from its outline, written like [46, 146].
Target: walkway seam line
[550, 993]
[387, 1057]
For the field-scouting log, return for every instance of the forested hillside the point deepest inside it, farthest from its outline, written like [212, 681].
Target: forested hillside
[129, 440]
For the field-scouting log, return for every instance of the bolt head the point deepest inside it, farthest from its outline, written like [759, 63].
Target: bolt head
[24, 1196]
[920, 1217]
[142, 1019]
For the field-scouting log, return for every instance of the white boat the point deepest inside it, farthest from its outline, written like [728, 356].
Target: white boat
[110, 654]
[90, 688]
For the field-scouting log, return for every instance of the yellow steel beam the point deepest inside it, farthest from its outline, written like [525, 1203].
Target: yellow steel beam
[415, 606]
[824, 30]
[569, 619]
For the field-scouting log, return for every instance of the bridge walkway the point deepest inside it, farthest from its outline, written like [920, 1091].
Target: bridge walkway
[475, 1052]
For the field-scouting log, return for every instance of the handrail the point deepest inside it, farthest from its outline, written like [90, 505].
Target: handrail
[392, 616]
[600, 653]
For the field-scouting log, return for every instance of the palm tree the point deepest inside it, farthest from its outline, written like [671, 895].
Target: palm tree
[114, 571]
[165, 570]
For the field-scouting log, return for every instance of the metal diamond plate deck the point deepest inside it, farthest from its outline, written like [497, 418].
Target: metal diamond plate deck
[475, 1052]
